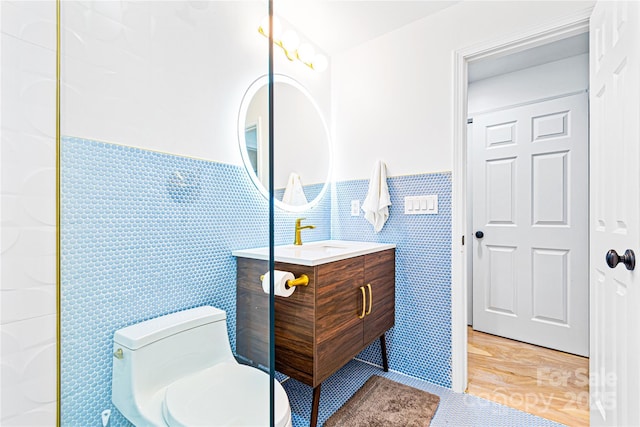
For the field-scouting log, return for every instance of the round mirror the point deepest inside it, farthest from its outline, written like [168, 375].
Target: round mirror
[301, 151]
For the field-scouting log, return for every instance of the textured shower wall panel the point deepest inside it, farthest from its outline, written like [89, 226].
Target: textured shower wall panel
[28, 263]
[146, 234]
[420, 343]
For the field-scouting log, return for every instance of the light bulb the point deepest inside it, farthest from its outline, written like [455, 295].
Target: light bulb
[290, 41]
[277, 27]
[320, 62]
[306, 52]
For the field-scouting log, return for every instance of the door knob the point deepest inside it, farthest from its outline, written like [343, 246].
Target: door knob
[628, 259]
[479, 234]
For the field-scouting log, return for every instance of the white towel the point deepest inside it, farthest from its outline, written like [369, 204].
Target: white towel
[376, 204]
[293, 192]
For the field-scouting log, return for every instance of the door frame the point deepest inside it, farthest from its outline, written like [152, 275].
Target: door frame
[568, 26]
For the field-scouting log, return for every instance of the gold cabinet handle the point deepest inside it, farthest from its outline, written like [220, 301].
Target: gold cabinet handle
[364, 303]
[370, 299]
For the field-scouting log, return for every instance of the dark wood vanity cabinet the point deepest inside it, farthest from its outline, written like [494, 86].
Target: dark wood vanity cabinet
[355, 304]
[346, 306]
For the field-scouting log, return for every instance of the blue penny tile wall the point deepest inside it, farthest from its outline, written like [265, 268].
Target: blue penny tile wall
[145, 234]
[420, 343]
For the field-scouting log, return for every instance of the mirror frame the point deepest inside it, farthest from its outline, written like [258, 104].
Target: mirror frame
[242, 115]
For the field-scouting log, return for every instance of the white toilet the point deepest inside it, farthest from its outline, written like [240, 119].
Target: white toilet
[178, 370]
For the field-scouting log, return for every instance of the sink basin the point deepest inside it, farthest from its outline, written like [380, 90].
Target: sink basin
[315, 253]
[324, 247]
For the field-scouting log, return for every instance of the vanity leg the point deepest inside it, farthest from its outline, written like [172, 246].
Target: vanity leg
[383, 350]
[314, 406]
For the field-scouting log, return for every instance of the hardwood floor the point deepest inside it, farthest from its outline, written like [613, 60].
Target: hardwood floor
[537, 380]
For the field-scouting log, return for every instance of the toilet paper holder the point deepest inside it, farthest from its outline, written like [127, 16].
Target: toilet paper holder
[303, 280]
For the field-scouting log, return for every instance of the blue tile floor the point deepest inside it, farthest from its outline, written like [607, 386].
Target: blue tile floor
[456, 409]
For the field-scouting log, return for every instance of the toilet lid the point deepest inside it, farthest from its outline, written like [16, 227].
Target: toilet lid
[227, 394]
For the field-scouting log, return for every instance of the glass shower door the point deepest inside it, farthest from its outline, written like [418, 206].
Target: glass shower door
[154, 194]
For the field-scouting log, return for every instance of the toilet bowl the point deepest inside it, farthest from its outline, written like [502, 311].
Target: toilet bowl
[178, 370]
[194, 400]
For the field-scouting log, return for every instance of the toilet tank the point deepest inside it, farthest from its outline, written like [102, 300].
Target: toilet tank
[152, 354]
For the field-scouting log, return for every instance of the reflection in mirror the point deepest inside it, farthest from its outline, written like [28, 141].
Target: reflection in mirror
[251, 138]
[302, 152]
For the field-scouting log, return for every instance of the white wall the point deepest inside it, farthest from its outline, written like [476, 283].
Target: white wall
[28, 263]
[393, 96]
[543, 81]
[167, 75]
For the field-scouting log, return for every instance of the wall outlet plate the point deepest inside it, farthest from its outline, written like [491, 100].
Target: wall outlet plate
[355, 208]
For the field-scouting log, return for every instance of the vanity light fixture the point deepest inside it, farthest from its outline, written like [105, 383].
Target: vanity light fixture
[290, 44]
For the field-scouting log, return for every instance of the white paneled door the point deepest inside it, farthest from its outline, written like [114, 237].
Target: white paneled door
[530, 220]
[615, 213]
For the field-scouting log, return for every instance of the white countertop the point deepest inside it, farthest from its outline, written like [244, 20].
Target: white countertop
[315, 253]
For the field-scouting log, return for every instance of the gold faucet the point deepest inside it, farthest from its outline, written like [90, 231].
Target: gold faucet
[298, 239]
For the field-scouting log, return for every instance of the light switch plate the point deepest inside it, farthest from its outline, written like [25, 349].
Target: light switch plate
[421, 205]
